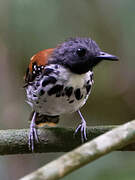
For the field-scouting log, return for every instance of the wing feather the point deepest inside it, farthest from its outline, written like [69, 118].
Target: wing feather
[40, 60]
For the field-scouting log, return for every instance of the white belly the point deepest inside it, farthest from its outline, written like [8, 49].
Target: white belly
[57, 103]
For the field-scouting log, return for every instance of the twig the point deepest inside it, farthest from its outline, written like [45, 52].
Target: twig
[51, 140]
[88, 152]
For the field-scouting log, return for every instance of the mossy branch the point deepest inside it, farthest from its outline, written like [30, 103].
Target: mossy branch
[51, 140]
[88, 152]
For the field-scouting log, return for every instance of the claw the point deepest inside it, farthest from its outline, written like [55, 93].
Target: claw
[82, 127]
[33, 134]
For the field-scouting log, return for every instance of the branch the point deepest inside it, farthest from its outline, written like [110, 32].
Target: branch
[51, 140]
[88, 152]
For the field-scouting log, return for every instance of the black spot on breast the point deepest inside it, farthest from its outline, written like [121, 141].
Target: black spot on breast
[71, 101]
[47, 71]
[91, 77]
[57, 89]
[68, 91]
[77, 93]
[88, 87]
[30, 93]
[88, 81]
[41, 93]
[37, 84]
[57, 72]
[56, 66]
[35, 87]
[49, 80]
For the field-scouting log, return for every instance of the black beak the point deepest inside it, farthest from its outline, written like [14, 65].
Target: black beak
[106, 56]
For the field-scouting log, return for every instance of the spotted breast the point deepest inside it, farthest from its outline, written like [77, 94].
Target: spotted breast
[58, 91]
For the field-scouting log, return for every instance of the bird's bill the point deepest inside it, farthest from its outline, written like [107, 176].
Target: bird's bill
[106, 56]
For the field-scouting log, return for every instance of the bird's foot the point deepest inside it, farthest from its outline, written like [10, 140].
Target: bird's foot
[33, 137]
[82, 128]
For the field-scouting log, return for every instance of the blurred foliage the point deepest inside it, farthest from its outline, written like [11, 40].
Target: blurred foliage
[27, 26]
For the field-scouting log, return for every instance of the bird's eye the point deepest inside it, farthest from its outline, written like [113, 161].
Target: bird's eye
[81, 52]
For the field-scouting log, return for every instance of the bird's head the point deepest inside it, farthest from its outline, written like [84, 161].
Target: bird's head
[79, 55]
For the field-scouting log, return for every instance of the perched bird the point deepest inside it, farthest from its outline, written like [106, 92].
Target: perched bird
[59, 81]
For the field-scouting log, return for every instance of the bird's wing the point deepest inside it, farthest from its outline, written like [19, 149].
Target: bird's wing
[37, 63]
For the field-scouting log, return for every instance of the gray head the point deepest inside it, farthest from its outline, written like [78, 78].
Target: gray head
[79, 55]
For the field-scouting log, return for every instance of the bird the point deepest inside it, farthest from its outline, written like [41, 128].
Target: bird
[59, 81]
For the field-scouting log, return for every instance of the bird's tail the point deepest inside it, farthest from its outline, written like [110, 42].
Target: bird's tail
[42, 120]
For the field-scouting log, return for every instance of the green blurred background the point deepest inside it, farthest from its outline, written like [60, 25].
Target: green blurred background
[27, 26]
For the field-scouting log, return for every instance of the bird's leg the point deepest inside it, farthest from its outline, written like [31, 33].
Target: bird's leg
[33, 133]
[82, 128]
